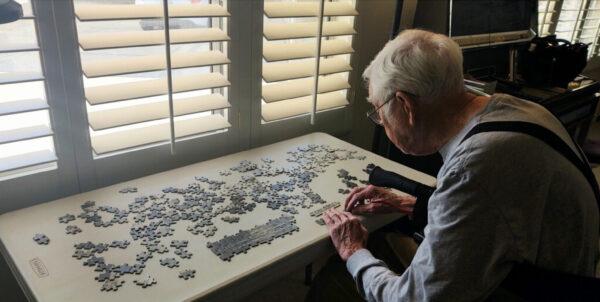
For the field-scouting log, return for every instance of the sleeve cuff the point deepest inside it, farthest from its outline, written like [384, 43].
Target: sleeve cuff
[360, 260]
[357, 264]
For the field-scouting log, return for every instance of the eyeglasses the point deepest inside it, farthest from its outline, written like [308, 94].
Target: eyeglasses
[374, 116]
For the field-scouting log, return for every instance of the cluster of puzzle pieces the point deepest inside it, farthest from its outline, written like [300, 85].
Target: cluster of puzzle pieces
[244, 240]
[152, 219]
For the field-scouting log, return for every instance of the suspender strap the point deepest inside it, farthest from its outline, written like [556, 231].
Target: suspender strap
[548, 137]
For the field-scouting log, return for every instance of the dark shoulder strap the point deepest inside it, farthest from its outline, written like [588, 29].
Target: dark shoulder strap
[550, 138]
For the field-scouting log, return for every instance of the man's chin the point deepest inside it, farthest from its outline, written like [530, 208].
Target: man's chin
[414, 149]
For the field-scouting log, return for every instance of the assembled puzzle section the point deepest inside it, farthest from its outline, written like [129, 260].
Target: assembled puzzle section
[244, 240]
[152, 219]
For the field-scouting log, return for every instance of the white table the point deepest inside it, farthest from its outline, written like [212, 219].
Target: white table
[50, 273]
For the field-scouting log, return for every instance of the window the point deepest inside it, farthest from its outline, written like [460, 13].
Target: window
[125, 77]
[572, 20]
[26, 134]
[546, 12]
[290, 30]
[89, 102]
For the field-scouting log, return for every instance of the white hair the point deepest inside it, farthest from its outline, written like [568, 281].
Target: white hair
[422, 63]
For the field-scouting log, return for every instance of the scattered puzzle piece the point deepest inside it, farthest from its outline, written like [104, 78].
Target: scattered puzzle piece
[112, 285]
[145, 282]
[169, 262]
[72, 229]
[183, 253]
[179, 243]
[66, 218]
[187, 274]
[128, 190]
[41, 239]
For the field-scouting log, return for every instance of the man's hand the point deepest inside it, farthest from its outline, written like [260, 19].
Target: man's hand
[377, 200]
[346, 231]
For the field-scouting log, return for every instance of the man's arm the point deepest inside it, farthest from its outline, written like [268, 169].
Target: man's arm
[466, 253]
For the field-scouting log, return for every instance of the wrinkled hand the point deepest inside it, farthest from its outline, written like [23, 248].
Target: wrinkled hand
[377, 200]
[346, 231]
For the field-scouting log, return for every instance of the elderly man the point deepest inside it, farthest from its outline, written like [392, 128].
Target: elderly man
[502, 197]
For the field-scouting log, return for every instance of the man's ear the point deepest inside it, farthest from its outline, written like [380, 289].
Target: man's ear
[407, 104]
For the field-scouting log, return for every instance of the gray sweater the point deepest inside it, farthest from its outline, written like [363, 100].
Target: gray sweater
[501, 198]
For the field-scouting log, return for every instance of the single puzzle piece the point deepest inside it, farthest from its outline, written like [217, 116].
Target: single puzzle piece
[209, 231]
[145, 282]
[169, 262]
[230, 219]
[147, 241]
[143, 256]
[123, 269]
[41, 239]
[103, 267]
[106, 276]
[128, 190]
[344, 191]
[85, 245]
[100, 248]
[93, 261]
[72, 229]
[79, 254]
[112, 285]
[137, 268]
[183, 253]
[187, 274]
[122, 244]
[139, 218]
[179, 243]
[66, 218]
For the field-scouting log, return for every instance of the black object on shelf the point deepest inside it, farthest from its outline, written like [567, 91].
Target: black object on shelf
[10, 11]
[549, 61]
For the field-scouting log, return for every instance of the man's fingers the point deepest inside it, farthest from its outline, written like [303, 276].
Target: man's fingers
[347, 215]
[358, 197]
[351, 195]
[333, 214]
[369, 208]
[327, 219]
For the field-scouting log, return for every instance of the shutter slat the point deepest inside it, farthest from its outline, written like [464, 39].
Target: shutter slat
[125, 65]
[20, 106]
[303, 87]
[298, 106]
[98, 12]
[118, 92]
[26, 160]
[25, 133]
[281, 71]
[147, 38]
[20, 77]
[282, 31]
[158, 109]
[300, 9]
[280, 52]
[18, 47]
[156, 132]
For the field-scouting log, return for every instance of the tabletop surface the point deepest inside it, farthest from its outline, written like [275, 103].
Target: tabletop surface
[292, 178]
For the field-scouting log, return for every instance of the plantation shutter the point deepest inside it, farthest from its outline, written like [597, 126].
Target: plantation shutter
[26, 135]
[290, 29]
[123, 63]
